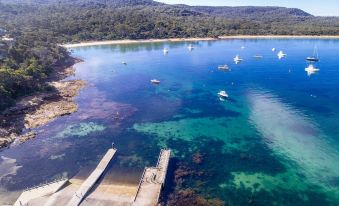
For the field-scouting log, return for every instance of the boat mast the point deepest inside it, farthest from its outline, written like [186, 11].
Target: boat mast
[315, 52]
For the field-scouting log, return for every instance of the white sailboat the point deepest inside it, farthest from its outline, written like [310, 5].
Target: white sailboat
[237, 59]
[281, 54]
[190, 47]
[315, 57]
[311, 69]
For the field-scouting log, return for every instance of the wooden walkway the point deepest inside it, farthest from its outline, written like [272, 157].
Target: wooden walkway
[81, 193]
[152, 182]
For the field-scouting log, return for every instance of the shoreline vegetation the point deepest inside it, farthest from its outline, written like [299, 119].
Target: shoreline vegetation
[41, 108]
[131, 41]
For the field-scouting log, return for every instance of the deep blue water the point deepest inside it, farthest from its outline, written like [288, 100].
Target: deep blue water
[275, 141]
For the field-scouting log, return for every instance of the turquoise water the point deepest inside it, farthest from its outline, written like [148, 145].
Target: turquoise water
[275, 141]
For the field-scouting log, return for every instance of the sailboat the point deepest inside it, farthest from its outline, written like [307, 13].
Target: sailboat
[311, 69]
[237, 59]
[190, 47]
[165, 51]
[281, 54]
[313, 58]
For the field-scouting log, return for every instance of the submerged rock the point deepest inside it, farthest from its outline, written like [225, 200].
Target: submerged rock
[197, 158]
[188, 197]
[80, 130]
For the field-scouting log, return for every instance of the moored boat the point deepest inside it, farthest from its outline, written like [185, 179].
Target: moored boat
[315, 57]
[223, 94]
[281, 54]
[237, 59]
[155, 81]
[223, 67]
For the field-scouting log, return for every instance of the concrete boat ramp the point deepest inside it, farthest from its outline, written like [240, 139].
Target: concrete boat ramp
[92, 192]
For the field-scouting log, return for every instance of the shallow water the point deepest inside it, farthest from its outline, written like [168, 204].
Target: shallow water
[275, 141]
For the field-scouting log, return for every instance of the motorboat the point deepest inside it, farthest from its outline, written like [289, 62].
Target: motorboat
[155, 81]
[273, 49]
[223, 94]
[258, 56]
[223, 67]
[125, 63]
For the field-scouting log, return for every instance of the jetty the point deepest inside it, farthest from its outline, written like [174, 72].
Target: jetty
[152, 181]
[93, 191]
[80, 194]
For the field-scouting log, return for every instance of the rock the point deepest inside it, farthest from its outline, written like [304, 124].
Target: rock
[197, 158]
[188, 197]
[25, 137]
[40, 109]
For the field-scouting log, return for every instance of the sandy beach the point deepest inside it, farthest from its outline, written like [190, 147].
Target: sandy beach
[128, 41]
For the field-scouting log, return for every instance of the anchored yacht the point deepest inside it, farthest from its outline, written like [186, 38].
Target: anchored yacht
[311, 69]
[281, 54]
[237, 59]
[315, 57]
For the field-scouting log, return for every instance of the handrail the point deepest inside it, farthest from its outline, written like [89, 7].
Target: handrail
[139, 185]
[45, 184]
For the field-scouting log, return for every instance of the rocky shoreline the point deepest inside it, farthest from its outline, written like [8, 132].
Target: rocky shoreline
[41, 108]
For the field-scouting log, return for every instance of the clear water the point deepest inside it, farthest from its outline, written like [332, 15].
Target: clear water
[274, 142]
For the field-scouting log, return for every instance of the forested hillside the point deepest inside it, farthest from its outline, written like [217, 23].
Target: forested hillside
[39, 25]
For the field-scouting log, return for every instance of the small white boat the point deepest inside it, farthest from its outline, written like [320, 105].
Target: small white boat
[223, 67]
[237, 59]
[223, 94]
[155, 81]
[243, 47]
[281, 54]
[190, 47]
[258, 56]
[273, 49]
[311, 69]
[165, 51]
[124, 63]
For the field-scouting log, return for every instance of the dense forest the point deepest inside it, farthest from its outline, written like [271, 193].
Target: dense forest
[38, 26]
